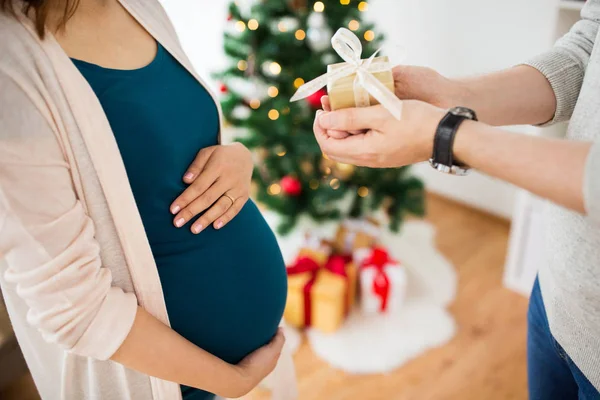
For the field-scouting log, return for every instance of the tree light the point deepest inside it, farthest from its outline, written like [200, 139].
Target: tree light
[253, 24]
[255, 103]
[363, 6]
[275, 68]
[344, 2]
[369, 36]
[363, 191]
[273, 91]
[274, 189]
[313, 184]
[353, 25]
[240, 26]
[298, 82]
[335, 183]
[281, 153]
[242, 65]
[281, 26]
[273, 114]
[319, 6]
[300, 34]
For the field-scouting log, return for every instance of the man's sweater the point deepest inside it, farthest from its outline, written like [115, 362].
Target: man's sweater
[570, 274]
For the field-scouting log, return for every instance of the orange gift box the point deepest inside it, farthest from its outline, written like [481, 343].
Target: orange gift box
[321, 291]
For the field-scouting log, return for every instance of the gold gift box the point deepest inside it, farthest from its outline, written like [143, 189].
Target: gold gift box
[332, 296]
[341, 91]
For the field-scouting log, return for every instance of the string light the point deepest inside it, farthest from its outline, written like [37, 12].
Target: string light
[363, 191]
[353, 25]
[281, 26]
[242, 65]
[273, 114]
[319, 6]
[275, 68]
[273, 91]
[313, 184]
[327, 171]
[335, 183]
[253, 24]
[274, 189]
[285, 111]
[298, 82]
[369, 36]
[281, 153]
[255, 103]
[240, 26]
[344, 2]
[300, 34]
[363, 6]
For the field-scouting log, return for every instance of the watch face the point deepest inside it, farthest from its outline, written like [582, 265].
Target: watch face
[464, 112]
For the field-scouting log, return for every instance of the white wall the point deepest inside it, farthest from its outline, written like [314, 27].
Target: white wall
[456, 37]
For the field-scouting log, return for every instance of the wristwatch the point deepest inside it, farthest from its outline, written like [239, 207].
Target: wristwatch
[442, 158]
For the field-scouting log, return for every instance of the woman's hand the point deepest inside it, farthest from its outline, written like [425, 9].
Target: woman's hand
[219, 180]
[257, 365]
[386, 142]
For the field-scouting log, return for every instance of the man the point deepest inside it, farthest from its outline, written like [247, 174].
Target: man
[562, 84]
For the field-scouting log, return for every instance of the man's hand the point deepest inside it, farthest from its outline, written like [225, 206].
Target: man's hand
[219, 181]
[386, 142]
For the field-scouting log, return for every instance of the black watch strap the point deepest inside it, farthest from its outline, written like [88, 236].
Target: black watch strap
[443, 143]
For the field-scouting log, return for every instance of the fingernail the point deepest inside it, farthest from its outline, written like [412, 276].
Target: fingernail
[179, 223]
[175, 209]
[188, 176]
[219, 225]
[197, 229]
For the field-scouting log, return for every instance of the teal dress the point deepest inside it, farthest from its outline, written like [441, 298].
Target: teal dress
[225, 290]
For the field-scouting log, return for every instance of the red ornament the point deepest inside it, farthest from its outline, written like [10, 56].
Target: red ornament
[291, 186]
[314, 100]
[223, 88]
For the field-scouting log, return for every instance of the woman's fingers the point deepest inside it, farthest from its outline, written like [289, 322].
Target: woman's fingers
[201, 203]
[325, 103]
[217, 210]
[231, 212]
[198, 164]
[195, 190]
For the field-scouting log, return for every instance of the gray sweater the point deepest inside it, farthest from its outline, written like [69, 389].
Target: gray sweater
[570, 275]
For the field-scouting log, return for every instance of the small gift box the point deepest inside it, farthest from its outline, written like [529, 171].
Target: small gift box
[320, 295]
[355, 82]
[347, 92]
[382, 282]
[356, 234]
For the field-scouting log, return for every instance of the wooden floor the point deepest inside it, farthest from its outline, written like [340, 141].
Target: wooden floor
[486, 359]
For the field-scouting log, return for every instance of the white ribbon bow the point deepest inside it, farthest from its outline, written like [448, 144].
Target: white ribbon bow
[348, 46]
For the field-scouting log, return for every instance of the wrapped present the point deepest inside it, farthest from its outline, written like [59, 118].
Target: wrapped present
[356, 234]
[316, 245]
[356, 82]
[382, 282]
[320, 295]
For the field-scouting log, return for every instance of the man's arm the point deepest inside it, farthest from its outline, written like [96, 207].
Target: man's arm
[543, 90]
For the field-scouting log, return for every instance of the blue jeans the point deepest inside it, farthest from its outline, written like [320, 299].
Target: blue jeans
[551, 372]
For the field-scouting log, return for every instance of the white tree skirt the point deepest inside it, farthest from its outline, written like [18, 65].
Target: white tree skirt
[380, 343]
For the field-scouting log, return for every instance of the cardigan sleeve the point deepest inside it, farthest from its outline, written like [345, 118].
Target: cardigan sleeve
[47, 239]
[565, 64]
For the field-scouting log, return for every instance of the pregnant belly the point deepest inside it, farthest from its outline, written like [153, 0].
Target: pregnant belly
[226, 290]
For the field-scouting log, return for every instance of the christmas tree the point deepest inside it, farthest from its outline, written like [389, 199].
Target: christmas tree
[274, 47]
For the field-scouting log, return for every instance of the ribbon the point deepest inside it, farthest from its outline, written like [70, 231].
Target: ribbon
[348, 46]
[302, 265]
[337, 265]
[379, 259]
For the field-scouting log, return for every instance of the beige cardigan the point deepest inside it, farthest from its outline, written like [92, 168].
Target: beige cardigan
[76, 261]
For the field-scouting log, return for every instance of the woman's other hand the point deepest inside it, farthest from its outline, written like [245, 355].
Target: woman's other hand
[219, 180]
[260, 363]
[386, 142]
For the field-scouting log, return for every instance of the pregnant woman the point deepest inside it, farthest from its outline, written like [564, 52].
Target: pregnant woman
[121, 214]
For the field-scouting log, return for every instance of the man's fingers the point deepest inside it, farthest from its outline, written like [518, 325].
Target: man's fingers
[326, 103]
[353, 119]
